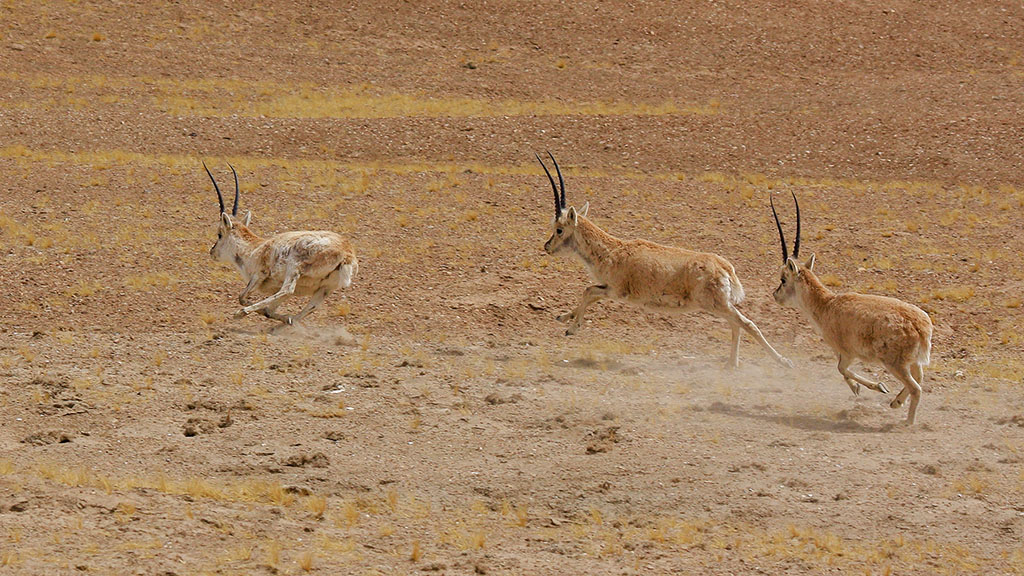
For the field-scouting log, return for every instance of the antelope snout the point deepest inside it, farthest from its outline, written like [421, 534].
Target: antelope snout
[778, 296]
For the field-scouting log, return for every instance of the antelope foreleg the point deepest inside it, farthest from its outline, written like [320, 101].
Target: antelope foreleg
[253, 283]
[575, 318]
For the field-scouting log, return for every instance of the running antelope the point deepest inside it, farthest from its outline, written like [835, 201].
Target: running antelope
[648, 274]
[307, 263]
[870, 328]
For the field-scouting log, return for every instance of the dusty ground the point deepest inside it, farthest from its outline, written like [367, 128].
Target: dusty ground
[435, 419]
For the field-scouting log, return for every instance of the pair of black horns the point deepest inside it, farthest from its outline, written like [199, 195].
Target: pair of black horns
[234, 209]
[782, 238]
[559, 201]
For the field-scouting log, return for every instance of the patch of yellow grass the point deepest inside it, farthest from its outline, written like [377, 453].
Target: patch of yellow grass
[1003, 369]
[825, 549]
[972, 484]
[953, 293]
[151, 281]
[311, 101]
[246, 490]
[184, 164]
[831, 280]
[337, 412]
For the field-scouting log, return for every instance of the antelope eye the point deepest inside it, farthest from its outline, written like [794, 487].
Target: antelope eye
[559, 231]
[783, 279]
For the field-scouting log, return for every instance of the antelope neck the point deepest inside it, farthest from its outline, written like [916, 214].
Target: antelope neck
[592, 244]
[245, 243]
[815, 296]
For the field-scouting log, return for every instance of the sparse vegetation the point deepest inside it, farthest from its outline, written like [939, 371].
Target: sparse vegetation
[458, 421]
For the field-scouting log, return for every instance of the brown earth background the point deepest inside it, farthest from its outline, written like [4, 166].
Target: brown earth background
[434, 418]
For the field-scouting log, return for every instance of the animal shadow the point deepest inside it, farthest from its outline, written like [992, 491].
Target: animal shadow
[843, 421]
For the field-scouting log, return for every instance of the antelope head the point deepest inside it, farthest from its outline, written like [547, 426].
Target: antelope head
[564, 224]
[229, 230]
[788, 293]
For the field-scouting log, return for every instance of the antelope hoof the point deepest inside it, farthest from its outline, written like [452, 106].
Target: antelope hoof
[564, 317]
[785, 361]
[882, 388]
[572, 329]
[896, 403]
[241, 313]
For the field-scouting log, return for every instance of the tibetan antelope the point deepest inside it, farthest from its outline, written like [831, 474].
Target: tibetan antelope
[870, 328]
[648, 274]
[307, 263]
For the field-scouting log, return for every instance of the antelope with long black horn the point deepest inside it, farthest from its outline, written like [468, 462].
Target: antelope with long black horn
[306, 263]
[648, 274]
[863, 327]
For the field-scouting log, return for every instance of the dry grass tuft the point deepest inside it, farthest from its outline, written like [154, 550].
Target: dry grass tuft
[272, 554]
[317, 505]
[416, 553]
[305, 560]
[9, 558]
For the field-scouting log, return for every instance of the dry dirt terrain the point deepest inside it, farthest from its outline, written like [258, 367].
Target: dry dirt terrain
[434, 418]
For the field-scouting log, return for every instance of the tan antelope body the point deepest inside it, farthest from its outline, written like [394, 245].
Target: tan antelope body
[648, 274]
[864, 327]
[306, 263]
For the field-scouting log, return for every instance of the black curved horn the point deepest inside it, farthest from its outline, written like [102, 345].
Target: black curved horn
[782, 238]
[561, 183]
[234, 209]
[558, 207]
[796, 243]
[215, 187]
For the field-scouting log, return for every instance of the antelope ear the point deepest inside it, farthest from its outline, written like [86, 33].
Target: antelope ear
[248, 218]
[792, 266]
[226, 219]
[572, 215]
[585, 209]
[810, 263]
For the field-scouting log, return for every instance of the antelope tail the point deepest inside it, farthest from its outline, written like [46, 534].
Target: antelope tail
[736, 293]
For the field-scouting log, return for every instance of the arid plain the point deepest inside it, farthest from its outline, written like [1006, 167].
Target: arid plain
[434, 418]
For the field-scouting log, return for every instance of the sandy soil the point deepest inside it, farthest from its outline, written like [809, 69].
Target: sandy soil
[434, 418]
